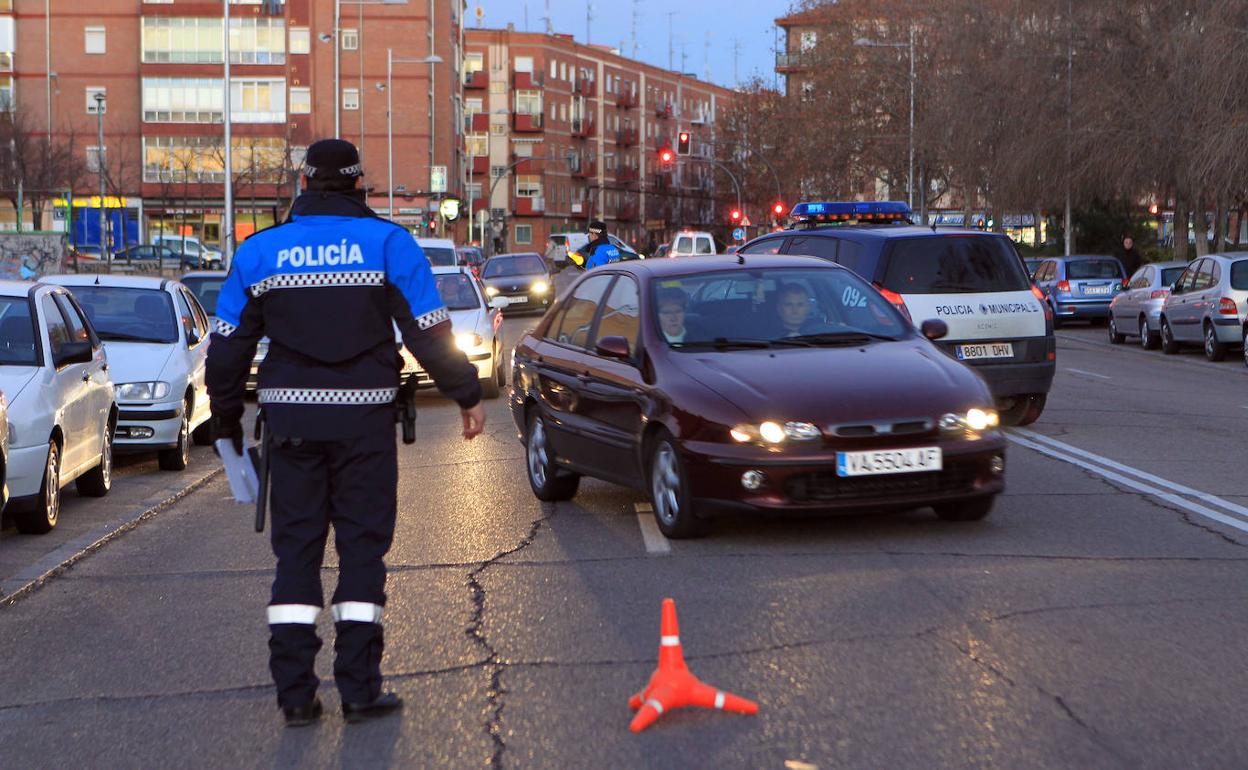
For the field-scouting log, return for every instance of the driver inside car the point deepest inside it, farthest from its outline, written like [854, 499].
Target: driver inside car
[793, 306]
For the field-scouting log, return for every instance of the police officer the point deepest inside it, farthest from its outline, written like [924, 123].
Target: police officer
[599, 251]
[324, 286]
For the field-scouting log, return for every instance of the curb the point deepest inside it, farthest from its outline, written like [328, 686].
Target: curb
[36, 575]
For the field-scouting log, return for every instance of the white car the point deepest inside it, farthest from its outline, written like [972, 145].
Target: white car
[440, 251]
[478, 328]
[688, 243]
[54, 373]
[157, 339]
[190, 246]
[206, 286]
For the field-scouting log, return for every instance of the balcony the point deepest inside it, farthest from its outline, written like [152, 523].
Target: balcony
[528, 207]
[626, 174]
[584, 87]
[625, 99]
[480, 165]
[479, 122]
[585, 170]
[663, 110]
[526, 80]
[527, 123]
[478, 79]
[582, 127]
[626, 137]
[627, 212]
[790, 61]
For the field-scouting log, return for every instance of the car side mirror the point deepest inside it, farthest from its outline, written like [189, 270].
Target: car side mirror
[498, 303]
[73, 353]
[613, 347]
[934, 329]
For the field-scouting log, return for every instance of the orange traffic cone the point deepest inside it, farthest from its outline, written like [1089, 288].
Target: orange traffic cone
[672, 685]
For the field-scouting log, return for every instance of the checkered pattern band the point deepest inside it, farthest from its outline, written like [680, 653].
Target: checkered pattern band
[318, 280]
[225, 329]
[328, 396]
[433, 317]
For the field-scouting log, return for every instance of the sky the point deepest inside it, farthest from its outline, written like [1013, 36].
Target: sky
[723, 22]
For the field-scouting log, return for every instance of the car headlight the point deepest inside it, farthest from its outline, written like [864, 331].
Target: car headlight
[975, 419]
[141, 391]
[775, 433]
[539, 287]
[467, 342]
[490, 291]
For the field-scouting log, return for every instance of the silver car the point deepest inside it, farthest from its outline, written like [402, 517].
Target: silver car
[1207, 306]
[1136, 312]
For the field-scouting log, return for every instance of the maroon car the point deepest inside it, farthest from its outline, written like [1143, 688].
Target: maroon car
[781, 385]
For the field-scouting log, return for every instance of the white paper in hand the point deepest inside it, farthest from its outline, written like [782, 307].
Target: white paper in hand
[244, 482]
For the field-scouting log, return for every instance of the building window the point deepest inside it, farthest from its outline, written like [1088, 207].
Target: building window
[554, 70]
[474, 190]
[498, 171]
[92, 104]
[258, 41]
[350, 39]
[300, 101]
[183, 100]
[300, 40]
[498, 87]
[524, 64]
[94, 157]
[265, 159]
[95, 40]
[6, 93]
[529, 102]
[190, 40]
[563, 71]
[350, 98]
[477, 145]
[258, 100]
[474, 61]
[807, 40]
[498, 129]
[524, 233]
[529, 186]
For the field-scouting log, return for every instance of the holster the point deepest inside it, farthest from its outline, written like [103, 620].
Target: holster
[405, 409]
[260, 459]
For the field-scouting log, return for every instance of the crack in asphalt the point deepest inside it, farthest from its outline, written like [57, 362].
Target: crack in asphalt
[476, 632]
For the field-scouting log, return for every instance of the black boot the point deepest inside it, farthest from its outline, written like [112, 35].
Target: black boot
[302, 716]
[380, 706]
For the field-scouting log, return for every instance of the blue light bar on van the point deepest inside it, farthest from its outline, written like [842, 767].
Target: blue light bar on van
[841, 211]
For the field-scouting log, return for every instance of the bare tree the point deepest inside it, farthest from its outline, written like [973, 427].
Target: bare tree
[42, 168]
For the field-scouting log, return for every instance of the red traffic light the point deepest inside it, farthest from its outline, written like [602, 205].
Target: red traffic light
[682, 143]
[778, 209]
[666, 156]
[735, 215]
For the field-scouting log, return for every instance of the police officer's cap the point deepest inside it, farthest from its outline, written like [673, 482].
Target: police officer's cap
[332, 158]
[597, 226]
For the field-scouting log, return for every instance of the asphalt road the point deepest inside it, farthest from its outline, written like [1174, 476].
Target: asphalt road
[1096, 619]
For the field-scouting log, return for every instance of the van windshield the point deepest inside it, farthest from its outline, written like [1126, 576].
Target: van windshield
[953, 264]
[440, 256]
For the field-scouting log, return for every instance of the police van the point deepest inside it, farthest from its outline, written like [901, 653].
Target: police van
[972, 280]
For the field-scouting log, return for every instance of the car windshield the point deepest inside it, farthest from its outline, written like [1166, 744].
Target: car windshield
[1083, 269]
[953, 264]
[457, 292]
[17, 333]
[439, 256]
[1171, 274]
[779, 307]
[125, 314]
[206, 290]
[502, 267]
[1239, 274]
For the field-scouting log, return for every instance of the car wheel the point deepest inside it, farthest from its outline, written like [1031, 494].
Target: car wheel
[1057, 322]
[669, 493]
[1215, 349]
[179, 457]
[490, 386]
[1149, 339]
[1023, 410]
[202, 436]
[97, 481]
[42, 518]
[1169, 345]
[1115, 337]
[500, 370]
[965, 510]
[549, 483]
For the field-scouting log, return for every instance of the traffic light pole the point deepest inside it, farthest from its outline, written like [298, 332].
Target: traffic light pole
[735, 185]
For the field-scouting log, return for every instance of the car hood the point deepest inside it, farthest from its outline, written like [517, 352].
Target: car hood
[137, 361]
[878, 381]
[13, 379]
[468, 321]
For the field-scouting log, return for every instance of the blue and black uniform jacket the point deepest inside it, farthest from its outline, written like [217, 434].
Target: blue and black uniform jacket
[600, 252]
[324, 287]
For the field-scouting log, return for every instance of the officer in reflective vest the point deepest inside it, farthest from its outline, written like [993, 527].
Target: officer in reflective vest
[324, 287]
[599, 251]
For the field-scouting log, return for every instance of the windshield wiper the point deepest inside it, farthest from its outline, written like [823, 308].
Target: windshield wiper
[725, 343]
[834, 338]
[120, 337]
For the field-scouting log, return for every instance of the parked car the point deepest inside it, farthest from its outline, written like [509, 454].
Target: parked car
[1137, 311]
[440, 251]
[1207, 306]
[688, 243]
[1032, 263]
[164, 256]
[478, 327]
[471, 257]
[157, 339]
[195, 253]
[1080, 287]
[54, 372]
[695, 380]
[523, 278]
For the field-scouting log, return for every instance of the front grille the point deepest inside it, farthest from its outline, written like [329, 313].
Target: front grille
[866, 430]
[827, 487]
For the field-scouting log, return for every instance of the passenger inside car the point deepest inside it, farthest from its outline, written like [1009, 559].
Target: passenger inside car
[676, 327]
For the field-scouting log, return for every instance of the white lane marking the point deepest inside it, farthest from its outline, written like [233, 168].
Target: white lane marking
[1159, 481]
[1090, 374]
[1173, 499]
[650, 534]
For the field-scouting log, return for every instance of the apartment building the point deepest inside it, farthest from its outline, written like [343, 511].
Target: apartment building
[560, 133]
[159, 65]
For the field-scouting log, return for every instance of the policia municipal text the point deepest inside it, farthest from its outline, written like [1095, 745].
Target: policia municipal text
[323, 287]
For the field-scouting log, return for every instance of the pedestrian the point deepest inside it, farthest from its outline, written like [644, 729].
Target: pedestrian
[324, 286]
[599, 251]
[1129, 256]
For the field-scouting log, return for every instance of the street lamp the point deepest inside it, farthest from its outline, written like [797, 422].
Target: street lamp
[105, 254]
[876, 44]
[337, 36]
[390, 61]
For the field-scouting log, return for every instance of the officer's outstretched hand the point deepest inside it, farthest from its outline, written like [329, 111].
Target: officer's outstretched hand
[474, 421]
[232, 430]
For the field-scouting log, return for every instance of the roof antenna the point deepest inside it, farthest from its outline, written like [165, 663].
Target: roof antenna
[97, 279]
